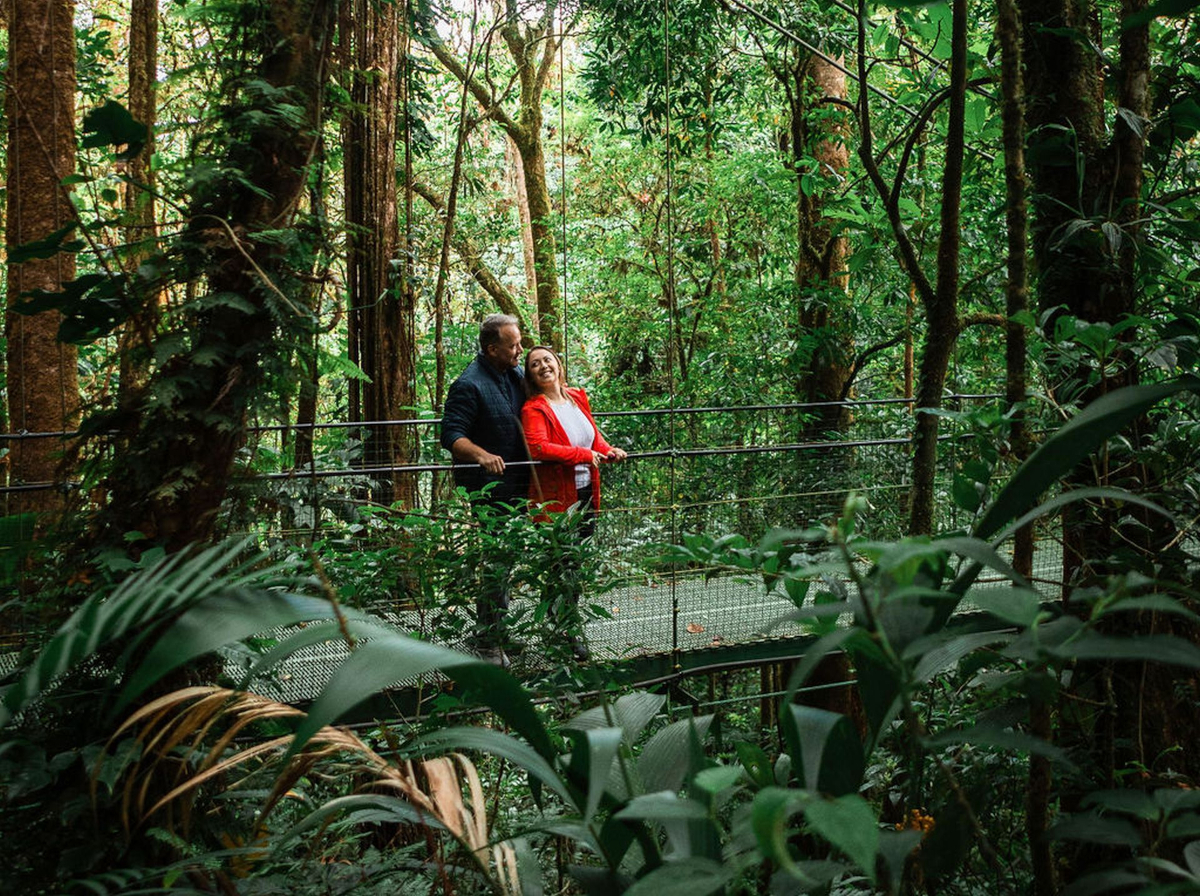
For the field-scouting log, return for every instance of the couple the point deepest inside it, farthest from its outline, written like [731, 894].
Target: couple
[495, 414]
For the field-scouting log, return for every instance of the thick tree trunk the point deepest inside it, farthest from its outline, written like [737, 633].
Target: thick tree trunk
[170, 482]
[43, 389]
[378, 299]
[541, 225]
[820, 256]
[1086, 206]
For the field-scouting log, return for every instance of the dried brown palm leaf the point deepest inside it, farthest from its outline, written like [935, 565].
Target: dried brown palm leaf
[189, 739]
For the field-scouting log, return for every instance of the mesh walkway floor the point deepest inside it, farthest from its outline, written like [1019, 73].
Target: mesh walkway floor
[723, 612]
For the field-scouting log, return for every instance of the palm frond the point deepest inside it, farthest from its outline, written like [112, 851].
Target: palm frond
[166, 587]
[190, 738]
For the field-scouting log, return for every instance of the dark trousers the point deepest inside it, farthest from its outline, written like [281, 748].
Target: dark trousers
[566, 610]
[494, 572]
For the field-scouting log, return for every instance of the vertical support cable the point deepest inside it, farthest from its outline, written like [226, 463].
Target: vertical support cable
[562, 176]
[670, 222]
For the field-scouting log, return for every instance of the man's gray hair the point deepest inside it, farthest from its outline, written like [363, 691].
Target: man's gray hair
[489, 330]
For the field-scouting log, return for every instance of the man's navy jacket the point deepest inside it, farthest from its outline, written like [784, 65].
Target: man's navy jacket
[484, 406]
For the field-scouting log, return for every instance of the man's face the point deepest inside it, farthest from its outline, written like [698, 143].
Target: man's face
[507, 352]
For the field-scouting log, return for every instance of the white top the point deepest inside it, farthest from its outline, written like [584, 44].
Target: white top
[580, 433]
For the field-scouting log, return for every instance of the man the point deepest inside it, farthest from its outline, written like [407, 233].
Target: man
[481, 427]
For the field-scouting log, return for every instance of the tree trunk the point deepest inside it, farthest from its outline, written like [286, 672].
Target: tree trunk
[137, 334]
[1086, 206]
[170, 482]
[941, 313]
[377, 297]
[545, 258]
[820, 272]
[532, 46]
[43, 389]
[513, 157]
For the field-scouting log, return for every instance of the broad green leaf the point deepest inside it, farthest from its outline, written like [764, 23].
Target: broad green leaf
[1158, 603]
[827, 747]
[717, 779]
[666, 759]
[1128, 802]
[1166, 649]
[219, 621]
[391, 658]
[1075, 440]
[662, 806]
[896, 847]
[693, 876]
[1020, 606]
[849, 823]
[983, 553]
[496, 743]
[592, 758]
[1091, 828]
[1191, 855]
[47, 247]
[947, 655]
[633, 712]
[769, 814]
[756, 763]
[112, 125]
[1050, 505]
[1173, 799]
[359, 627]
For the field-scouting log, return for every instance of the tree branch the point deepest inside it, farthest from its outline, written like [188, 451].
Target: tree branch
[982, 319]
[861, 361]
[472, 258]
[489, 103]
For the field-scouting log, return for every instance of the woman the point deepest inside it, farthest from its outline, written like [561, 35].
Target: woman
[559, 428]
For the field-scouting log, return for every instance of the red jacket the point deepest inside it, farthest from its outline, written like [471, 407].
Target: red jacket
[554, 483]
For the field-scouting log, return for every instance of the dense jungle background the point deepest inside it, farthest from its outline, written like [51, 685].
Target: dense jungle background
[896, 308]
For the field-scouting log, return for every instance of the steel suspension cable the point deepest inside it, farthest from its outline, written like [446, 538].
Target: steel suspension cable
[562, 175]
[671, 325]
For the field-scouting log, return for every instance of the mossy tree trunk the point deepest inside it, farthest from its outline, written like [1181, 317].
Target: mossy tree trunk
[183, 437]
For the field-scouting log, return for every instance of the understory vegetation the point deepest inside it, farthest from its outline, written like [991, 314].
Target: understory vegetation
[894, 308]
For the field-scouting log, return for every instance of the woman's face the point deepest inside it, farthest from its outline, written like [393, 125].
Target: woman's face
[543, 370]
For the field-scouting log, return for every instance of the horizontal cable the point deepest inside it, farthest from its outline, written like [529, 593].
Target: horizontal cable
[310, 474]
[23, 435]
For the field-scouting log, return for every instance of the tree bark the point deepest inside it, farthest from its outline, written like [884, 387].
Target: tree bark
[43, 389]
[513, 157]
[1086, 208]
[378, 298]
[820, 272]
